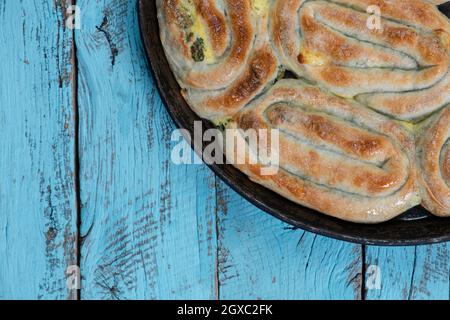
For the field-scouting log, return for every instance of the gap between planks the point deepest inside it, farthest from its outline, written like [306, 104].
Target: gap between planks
[77, 179]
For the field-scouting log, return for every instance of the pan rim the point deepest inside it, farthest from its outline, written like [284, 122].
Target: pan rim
[429, 230]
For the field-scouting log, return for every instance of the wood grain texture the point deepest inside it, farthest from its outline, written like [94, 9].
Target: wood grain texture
[148, 226]
[410, 273]
[263, 258]
[37, 189]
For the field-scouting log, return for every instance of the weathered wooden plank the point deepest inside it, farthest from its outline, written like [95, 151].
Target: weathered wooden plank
[148, 226]
[263, 258]
[415, 273]
[37, 189]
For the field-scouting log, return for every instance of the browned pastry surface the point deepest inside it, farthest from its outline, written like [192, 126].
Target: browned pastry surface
[347, 145]
[434, 160]
[401, 69]
[219, 51]
[335, 156]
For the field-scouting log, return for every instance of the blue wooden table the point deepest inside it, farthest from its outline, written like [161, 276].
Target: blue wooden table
[86, 182]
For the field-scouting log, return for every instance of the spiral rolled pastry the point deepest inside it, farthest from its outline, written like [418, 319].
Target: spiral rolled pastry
[219, 51]
[336, 156]
[399, 68]
[437, 2]
[433, 149]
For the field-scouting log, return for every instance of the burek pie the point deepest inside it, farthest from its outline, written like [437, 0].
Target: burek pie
[363, 130]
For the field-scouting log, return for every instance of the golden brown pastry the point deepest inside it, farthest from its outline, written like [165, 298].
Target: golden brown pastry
[336, 156]
[219, 51]
[400, 69]
[433, 150]
[365, 64]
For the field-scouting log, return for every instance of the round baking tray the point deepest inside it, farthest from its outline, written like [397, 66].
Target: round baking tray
[415, 227]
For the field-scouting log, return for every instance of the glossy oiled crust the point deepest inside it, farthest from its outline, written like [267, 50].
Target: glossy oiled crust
[433, 150]
[242, 62]
[343, 148]
[336, 156]
[401, 70]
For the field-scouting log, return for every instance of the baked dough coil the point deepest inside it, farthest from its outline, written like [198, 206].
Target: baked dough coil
[399, 68]
[336, 156]
[433, 157]
[219, 51]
